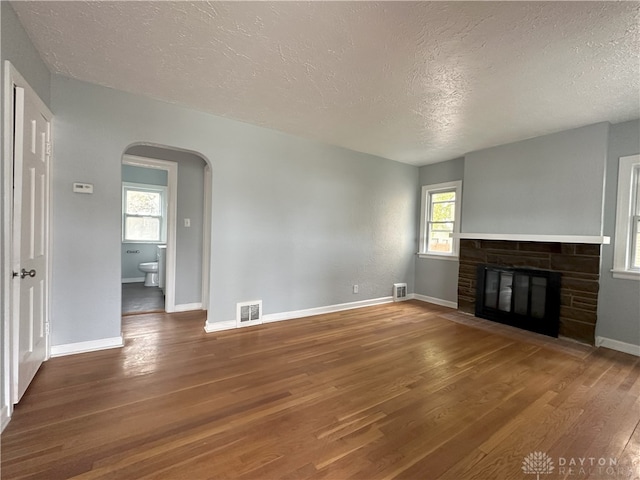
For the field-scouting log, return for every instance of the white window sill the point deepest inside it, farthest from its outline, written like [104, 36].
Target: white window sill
[436, 256]
[626, 274]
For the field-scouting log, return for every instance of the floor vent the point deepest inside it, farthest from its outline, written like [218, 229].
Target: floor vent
[249, 313]
[399, 292]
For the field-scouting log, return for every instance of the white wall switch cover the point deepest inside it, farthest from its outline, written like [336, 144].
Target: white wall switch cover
[187, 222]
[82, 187]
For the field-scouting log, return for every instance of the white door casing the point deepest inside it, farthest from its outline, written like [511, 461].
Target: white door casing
[29, 250]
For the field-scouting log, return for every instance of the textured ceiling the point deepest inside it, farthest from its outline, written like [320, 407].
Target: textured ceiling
[415, 82]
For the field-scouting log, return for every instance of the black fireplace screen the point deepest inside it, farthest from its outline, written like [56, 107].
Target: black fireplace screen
[524, 298]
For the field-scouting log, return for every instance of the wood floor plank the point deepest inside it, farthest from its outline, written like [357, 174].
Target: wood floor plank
[403, 390]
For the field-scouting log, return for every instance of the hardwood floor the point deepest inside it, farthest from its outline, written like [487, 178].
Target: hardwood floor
[403, 390]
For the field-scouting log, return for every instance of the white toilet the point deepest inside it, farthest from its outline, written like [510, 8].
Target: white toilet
[151, 271]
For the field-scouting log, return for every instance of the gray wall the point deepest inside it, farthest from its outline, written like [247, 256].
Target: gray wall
[552, 185]
[294, 222]
[618, 300]
[438, 278]
[16, 47]
[147, 176]
[190, 204]
[146, 252]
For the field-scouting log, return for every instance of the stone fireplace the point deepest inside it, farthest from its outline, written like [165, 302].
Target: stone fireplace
[577, 263]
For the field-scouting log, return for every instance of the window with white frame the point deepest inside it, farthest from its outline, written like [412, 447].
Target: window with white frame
[144, 213]
[440, 219]
[626, 255]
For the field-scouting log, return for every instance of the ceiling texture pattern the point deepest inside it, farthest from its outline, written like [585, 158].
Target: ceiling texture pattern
[416, 82]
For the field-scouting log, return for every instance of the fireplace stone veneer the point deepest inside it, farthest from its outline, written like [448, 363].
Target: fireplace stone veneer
[578, 263]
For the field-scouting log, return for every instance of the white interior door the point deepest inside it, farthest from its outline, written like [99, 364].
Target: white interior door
[30, 286]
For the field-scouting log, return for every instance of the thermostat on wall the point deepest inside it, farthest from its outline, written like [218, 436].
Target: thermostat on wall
[82, 187]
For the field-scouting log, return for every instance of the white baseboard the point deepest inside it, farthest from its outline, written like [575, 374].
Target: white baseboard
[133, 280]
[435, 301]
[278, 317]
[4, 418]
[219, 326]
[210, 327]
[618, 345]
[187, 307]
[83, 347]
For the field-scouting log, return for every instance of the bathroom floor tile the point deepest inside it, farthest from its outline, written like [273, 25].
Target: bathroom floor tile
[136, 298]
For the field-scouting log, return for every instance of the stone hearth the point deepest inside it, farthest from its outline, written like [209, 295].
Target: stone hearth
[578, 263]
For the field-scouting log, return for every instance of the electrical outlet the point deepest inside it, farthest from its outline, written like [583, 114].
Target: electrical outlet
[355, 289]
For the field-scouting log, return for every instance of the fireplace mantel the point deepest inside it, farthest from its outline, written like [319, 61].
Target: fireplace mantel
[518, 237]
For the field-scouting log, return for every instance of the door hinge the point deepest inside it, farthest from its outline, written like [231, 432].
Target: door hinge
[46, 328]
[47, 148]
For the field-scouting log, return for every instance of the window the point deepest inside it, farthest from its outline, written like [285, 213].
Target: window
[440, 220]
[626, 255]
[144, 213]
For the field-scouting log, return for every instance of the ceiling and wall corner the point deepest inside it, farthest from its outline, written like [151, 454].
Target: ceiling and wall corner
[416, 82]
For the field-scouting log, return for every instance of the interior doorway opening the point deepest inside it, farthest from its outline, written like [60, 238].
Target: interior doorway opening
[145, 213]
[165, 230]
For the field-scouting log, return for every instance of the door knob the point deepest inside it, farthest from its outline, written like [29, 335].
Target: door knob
[30, 273]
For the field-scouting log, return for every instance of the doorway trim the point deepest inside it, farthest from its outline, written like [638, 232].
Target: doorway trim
[206, 234]
[172, 191]
[12, 78]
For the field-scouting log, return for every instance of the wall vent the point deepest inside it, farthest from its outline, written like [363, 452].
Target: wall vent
[249, 313]
[399, 292]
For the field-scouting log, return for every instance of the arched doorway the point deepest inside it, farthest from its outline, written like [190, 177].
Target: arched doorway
[187, 234]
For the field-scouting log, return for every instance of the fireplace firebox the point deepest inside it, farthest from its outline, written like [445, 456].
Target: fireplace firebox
[524, 298]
